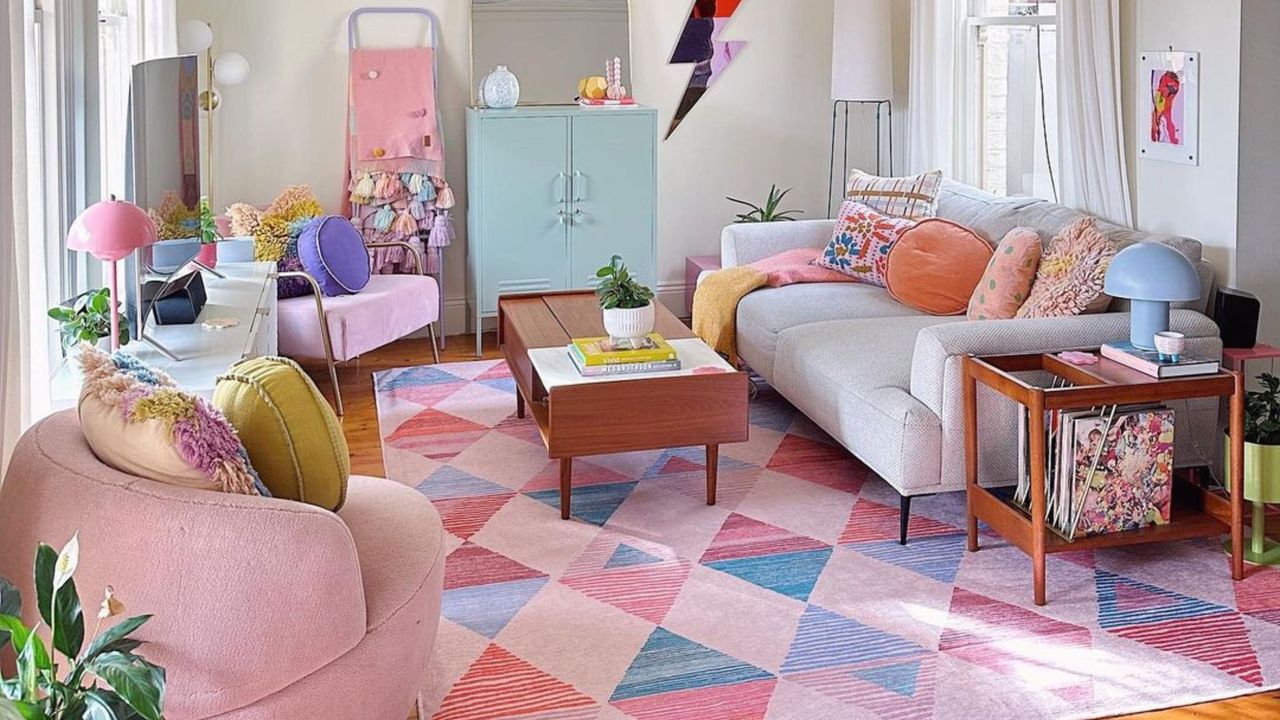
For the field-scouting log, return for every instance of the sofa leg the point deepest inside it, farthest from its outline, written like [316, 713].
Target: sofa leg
[904, 517]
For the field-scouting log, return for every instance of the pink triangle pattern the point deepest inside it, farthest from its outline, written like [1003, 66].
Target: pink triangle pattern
[821, 463]
[859, 686]
[1220, 640]
[465, 516]
[744, 701]
[472, 565]
[499, 684]
[647, 591]
[870, 521]
[585, 473]
[1018, 643]
[742, 537]
[1258, 595]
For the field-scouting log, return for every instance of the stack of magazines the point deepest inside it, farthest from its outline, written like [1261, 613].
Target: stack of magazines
[1107, 470]
[606, 356]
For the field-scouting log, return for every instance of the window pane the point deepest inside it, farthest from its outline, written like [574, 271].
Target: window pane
[1018, 122]
[998, 8]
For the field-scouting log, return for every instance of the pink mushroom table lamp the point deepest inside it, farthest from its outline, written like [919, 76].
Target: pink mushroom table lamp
[110, 230]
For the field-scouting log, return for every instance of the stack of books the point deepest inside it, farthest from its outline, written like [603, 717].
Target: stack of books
[1106, 470]
[603, 102]
[605, 356]
[1151, 363]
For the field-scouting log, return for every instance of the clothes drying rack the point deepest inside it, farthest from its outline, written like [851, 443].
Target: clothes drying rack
[433, 29]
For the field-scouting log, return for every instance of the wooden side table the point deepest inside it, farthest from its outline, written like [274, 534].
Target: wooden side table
[1196, 512]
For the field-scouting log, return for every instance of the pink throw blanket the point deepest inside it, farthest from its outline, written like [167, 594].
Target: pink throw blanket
[795, 266]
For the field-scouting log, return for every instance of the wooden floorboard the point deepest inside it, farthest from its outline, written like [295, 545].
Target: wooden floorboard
[360, 424]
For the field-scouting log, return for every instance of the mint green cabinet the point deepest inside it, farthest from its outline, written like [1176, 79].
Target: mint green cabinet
[553, 193]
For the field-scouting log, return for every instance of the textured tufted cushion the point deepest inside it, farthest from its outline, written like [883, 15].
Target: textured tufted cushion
[935, 266]
[1007, 280]
[1071, 274]
[292, 435]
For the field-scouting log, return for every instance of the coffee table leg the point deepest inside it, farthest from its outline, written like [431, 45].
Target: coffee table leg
[713, 460]
[519, 404]
[566, 474]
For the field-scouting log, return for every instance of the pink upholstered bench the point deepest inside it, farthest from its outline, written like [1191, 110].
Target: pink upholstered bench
[340, 328]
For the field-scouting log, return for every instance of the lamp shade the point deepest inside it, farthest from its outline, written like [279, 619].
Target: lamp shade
[1152, 271]
[194, 36]
[862, 50]
[111, 229]
[231, 68]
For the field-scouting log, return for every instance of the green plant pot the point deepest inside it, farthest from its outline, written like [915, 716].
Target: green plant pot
[1261, 485]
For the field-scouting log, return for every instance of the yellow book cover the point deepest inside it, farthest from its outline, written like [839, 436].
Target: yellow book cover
[606, 351]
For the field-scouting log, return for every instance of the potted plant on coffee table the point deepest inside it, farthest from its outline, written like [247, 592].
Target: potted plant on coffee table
[626, 302]
[1261, 464]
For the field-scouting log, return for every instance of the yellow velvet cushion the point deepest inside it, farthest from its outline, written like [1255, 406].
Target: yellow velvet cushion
[292, 435]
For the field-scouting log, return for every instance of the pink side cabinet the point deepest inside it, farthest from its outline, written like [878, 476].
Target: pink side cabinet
[695, 265]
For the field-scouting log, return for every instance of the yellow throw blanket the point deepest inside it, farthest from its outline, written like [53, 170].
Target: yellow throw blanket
[715, 306]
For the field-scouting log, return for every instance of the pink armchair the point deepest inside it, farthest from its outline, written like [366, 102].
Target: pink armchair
[264, 609]
[340, 328]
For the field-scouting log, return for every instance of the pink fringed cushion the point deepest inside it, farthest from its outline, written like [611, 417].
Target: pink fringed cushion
[1071, 274]
[138, 421]
[1007, 281]
[860, 244]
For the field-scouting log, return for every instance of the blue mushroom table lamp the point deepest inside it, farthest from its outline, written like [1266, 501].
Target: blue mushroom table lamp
[1151, 275]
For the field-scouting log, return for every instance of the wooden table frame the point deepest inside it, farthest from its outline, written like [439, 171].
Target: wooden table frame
[1196, 512]
[638, 413]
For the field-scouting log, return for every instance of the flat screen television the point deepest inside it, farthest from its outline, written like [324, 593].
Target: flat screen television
[163, 176]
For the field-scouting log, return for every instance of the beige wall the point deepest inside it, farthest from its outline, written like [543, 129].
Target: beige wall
[1195, 201]
[766, 121]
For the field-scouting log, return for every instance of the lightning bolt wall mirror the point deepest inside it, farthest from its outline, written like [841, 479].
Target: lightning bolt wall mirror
[698, 46]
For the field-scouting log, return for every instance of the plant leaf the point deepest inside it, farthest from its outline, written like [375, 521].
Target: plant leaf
[98, 706]
[46, 559]
[18, 710]
[114, 638]
[10, 604]
[12, 628]
[68, 630]
[139, 683]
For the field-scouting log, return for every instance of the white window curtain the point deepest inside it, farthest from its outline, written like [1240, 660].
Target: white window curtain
[16, 293]
[933, 107]
[158, 26]
[1093, 176]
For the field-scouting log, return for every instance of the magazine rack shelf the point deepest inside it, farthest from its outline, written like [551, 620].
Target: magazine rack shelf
[1195, 512]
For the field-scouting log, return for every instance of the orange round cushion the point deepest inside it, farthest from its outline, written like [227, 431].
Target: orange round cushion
[935, 266]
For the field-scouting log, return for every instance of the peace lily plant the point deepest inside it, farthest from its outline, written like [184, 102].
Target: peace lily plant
[104, 680]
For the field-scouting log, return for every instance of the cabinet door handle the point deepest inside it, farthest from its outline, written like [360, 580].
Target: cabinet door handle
[563, 177]
[579, 185]
[562, 216]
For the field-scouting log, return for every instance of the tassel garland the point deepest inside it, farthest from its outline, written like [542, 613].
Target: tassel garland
[417, 210]
[383, 218]
[441, 231]
[405, 224]
[444, 198]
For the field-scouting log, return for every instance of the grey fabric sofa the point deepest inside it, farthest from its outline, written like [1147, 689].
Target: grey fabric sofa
[885, 380]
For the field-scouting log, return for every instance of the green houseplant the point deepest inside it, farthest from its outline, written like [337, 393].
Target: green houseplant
[627, 303]
[768, 212]
[1261, 463]
[87, 319]
[104, 679]
[209, 235]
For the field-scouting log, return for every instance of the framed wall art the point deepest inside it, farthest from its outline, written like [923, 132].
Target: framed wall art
[1169, 106]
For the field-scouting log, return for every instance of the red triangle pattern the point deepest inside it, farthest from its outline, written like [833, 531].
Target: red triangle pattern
[498, 371]
[678, 464]
[472, 565]
[584, 473]
[646, 591]
[1221, 640]
[499, 684]
[426, 395]
[870, 521]
[1258, 595]
[744, 701]
[843, 684]
[525, 428]
[742, 537]
[818, 462]
[432, 422]
[465, 516]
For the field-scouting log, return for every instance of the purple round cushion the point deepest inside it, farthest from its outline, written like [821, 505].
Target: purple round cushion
[333, 252]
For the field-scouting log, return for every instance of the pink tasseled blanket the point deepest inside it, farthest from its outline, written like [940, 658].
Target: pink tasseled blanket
[715, 302]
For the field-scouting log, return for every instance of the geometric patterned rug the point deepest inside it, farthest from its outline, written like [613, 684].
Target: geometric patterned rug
[790, 598]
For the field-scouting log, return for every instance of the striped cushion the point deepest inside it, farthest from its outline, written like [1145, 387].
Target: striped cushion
[914, 197]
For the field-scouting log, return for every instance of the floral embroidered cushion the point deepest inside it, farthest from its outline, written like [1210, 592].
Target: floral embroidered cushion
[1008, 278]
[1070, 278]
[861, 241]
[138, 421]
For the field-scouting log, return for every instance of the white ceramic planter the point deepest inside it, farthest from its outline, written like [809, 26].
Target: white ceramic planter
[629, 324]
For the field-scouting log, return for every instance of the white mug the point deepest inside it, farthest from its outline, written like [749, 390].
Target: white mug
[1171, 345]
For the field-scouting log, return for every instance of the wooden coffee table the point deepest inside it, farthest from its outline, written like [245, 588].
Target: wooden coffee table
[705, 403]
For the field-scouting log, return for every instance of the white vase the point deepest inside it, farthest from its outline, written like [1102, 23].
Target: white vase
[629, 323]
[500, 89]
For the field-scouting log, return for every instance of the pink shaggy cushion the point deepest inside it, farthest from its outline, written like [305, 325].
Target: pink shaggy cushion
[1008, 278]
[1071, 274]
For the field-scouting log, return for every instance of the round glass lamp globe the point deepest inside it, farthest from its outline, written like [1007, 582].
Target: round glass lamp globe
[231, 68]
[194, 36]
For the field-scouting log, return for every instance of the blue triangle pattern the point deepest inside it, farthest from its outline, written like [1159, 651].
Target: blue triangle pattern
[825, 640]
[628, 556]
[792, 574]
[450, 482]
[486, 609]
[416, 377]
[1176, 606]
[899, 678]
[592, 503]
[669, 662]
[774, 415]
[933, 557]
[505, 384]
